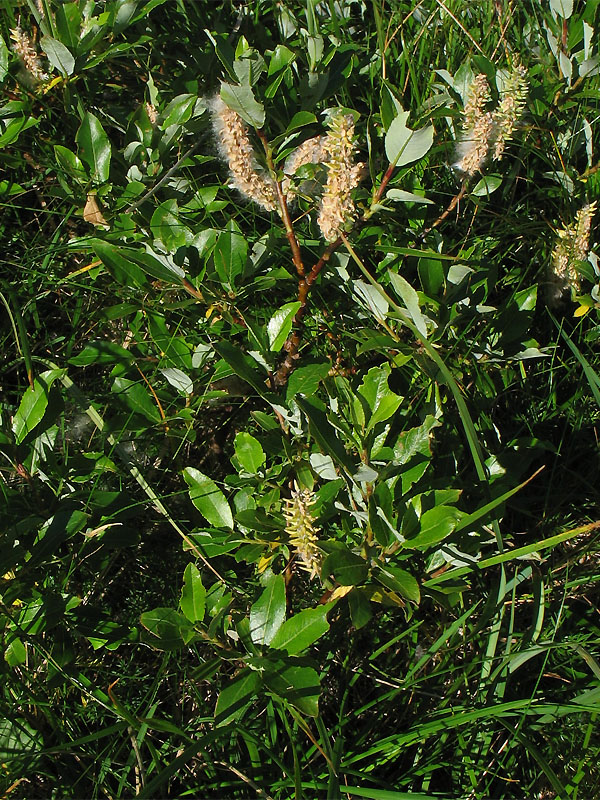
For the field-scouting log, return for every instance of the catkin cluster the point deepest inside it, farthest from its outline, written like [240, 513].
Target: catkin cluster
[25, 49]
[236, 149]
[487, 132]
[301, 530]
[572, 246]
[343, 175]
[335, 151]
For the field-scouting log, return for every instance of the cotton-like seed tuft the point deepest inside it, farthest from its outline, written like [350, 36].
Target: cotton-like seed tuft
[24, 48]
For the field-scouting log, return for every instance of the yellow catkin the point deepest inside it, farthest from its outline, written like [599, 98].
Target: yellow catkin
[24, 48]
[571, 246]
[343, 175]
[236, 149]
[302, 531]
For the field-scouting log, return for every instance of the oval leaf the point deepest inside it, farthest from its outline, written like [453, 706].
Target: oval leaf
[403, 145]
[268, 612]
[301, 630]
[94, 147]
[208, 498]
[193, 594]
[280, 325]
[249, 452]
[58, 55]
[235, 696]
[241, 99]
[435, 526]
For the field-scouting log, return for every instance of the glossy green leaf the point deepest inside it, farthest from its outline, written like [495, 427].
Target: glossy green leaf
[58, 55]
[306, 380]
[236, 696]
[399, 581]
[208, 498]
[4, 57]
[410, 299]
[268, 612]
[193, 594]
[249, 452]
[348, 568]
[382, 402]
[167, 227]
[487, 185]
[94, 147]
[400, 196]
[168, 629]
[241, 365]
[324, 433]
[15, 654]
[403, 145]
[118, 263]
[280, 325]
[102, 353]
[302, 630]
[71, 163]
[241, 99]
[179, 110]
[135, 396]
[33, 404]
[435, 526]
[230, 253]
[298, 685]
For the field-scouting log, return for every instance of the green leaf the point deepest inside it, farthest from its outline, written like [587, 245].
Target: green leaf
[178, 379]
[15, 654]
[382, 402]
[94, 147]
[230, 253]
[71, 163]
[306, 380]
[168, 629]
[33, 404]
[487, 185]
[400, 196]
[301, 630]
[167, 227]
[410, 299]
[348, 568]
[4, 57]
[431, 274]
[268, 612]
[119, 264]
[249, 452]
[208, 498]
[135, 397]
[399, 581]
[163, 268]
[58, 55]
[241, 99]
[563, 8]
[193, 594]
[241, 366]
[102, 353]
[280, 325]
[298, 685]
[435, 526]
[324, 433]
[403, 145]
[236, 696]
[179, 110]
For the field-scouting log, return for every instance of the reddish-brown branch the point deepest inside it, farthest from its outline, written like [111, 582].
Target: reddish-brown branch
[284, 210]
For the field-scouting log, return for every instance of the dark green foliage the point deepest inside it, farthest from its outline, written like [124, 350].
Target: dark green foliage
[286, 517]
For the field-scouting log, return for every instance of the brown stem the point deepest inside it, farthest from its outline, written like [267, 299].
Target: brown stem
[284, 210]
[451, 206]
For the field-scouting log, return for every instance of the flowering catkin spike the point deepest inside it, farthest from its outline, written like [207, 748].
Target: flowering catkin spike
[23, 47]
[301, 529]
[236, 149]
[512, 103]
[312, 151]
[572, 245]
[343, 175]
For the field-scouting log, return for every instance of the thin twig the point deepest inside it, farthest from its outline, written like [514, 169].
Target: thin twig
[165, 177]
